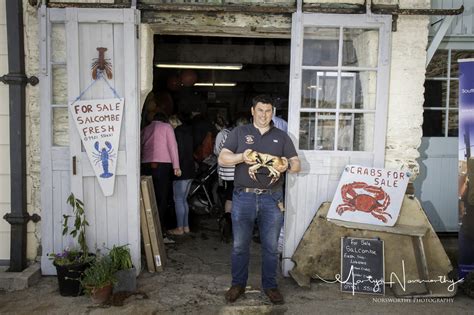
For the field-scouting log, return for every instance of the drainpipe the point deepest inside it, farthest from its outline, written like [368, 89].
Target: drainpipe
[17, 80]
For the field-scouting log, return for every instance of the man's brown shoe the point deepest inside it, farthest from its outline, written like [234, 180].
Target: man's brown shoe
[234, 293]
[274, 295]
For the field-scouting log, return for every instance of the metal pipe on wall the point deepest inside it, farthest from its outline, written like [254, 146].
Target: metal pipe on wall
[17, 80]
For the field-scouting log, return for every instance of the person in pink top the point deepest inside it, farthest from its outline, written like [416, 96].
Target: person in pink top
[160, 160]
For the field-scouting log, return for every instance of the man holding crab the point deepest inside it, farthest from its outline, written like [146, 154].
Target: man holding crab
[260, 153]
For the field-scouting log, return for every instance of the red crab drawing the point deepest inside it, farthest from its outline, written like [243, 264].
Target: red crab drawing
[370, 199]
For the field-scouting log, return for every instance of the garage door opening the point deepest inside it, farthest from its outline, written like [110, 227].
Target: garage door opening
[213, 79]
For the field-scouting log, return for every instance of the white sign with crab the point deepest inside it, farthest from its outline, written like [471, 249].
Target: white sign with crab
[369, 195]
[98, 123]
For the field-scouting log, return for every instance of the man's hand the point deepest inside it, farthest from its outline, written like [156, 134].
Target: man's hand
[283, 166]
[249, 157]
[177, 172]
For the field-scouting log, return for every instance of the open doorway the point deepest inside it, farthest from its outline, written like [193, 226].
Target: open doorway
[214, 80]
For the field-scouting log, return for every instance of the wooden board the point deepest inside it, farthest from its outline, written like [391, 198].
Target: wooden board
[362, 266]
[146, 238]
[153, 222]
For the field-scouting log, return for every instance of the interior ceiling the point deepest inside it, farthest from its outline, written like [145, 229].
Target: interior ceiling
[265, 62]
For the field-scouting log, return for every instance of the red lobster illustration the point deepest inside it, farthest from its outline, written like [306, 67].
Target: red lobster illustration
[101, 64]
[368, 202]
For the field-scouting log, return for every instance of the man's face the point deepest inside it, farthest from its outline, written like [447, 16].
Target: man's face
[262, 114]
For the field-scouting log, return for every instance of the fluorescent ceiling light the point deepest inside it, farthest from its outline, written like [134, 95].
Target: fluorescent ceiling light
[225, 84]
[215, 84]
[212, 66]
[203, 84]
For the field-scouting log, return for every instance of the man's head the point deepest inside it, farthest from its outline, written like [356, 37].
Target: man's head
[262, 110]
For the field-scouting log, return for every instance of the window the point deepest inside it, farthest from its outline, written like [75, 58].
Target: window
[339, 85]
[57, 50]
[440, 116]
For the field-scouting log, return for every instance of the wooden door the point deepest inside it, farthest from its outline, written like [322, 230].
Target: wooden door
[71, 37]
[339, 76]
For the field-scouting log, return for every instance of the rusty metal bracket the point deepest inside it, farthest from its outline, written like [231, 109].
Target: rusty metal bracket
[15, 219]
[18, 79]
[395, 11]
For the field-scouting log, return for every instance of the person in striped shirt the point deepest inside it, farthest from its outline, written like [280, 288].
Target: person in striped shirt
[226, 173]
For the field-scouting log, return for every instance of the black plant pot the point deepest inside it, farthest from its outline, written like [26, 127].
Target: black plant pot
[126, 281]
[69, 278]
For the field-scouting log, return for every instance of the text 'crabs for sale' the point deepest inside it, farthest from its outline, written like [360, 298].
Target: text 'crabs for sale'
[369, 195]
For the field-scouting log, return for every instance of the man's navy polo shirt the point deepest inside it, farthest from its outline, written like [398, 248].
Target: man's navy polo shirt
[275, 142]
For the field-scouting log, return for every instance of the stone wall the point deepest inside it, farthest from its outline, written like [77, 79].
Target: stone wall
[407, 76]
[33, 192]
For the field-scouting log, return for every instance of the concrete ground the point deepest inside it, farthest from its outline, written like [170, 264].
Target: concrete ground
[194, 282]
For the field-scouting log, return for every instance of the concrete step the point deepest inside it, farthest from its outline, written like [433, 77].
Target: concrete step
[14, 281]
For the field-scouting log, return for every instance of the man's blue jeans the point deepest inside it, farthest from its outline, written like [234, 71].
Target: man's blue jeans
[246, 207]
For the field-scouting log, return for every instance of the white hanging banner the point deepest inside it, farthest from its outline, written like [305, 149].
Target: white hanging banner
[369, 195]
[98, 123]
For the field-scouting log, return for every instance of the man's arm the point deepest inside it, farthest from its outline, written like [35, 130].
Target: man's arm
[295, 165]
[229, 158]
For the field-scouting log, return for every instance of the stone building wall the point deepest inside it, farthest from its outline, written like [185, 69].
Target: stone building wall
[404, 114]
[407, 76]
[33, 153]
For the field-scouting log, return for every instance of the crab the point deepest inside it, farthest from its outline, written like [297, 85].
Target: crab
[265, 160]
[371, 199]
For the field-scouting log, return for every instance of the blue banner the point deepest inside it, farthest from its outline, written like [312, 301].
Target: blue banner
[466, 167]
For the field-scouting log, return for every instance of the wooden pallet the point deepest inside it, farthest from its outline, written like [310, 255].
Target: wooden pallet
[146, 238]
[153, 224]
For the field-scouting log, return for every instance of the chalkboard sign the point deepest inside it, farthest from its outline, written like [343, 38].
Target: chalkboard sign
[362, 266]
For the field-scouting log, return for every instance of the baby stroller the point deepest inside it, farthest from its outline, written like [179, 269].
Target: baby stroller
[201, 196]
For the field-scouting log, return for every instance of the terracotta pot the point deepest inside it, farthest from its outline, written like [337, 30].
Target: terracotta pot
[100, 295]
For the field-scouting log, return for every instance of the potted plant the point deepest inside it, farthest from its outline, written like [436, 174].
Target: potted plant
[98, 279]
[71, 263]
[125, 273]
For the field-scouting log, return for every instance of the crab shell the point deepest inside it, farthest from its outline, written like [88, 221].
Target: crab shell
[265, 160]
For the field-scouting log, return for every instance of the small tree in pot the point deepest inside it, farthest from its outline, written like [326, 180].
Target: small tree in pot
[125, 272]
[71, 263]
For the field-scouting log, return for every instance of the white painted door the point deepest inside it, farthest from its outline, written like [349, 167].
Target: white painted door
[70, 38]
[338, 108]
[439, 165]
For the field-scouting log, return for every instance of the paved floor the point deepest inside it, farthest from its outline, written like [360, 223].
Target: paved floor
[194, 282]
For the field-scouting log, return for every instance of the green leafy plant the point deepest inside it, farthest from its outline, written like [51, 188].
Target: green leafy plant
[120, 257]
[98, 275]
[78, 231]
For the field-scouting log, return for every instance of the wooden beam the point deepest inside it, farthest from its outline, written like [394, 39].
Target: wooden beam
[212, 8]
[440, 33]
[62, 5]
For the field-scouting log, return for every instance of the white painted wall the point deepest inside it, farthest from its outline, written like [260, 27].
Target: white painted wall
[407, 76]
[32, 129]
[4, 140]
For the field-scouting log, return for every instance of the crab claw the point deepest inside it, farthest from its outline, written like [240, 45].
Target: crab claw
[253, 170]
[251, 155]
[274, 179]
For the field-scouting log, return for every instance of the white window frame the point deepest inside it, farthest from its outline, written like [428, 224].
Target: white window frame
[380, 22]
[448, 108]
